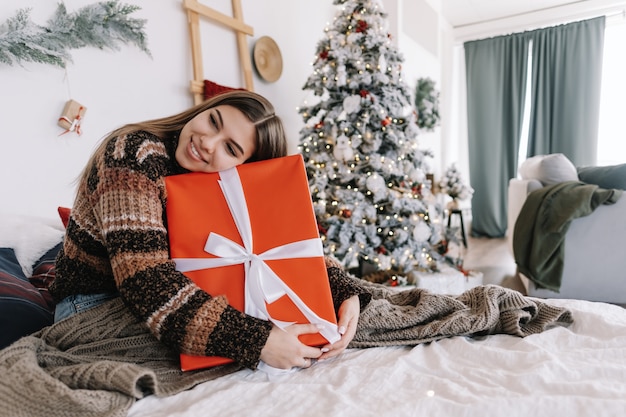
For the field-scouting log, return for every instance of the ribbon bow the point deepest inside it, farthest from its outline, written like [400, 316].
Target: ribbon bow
[261, 283]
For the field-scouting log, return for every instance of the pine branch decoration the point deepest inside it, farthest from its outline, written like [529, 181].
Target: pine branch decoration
[104, 25]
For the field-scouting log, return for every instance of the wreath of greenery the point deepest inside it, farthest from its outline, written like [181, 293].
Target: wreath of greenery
[101, 25]
[427, 104]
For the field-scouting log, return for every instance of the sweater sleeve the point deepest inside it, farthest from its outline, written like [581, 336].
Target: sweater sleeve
[344, 286]
[129, 206]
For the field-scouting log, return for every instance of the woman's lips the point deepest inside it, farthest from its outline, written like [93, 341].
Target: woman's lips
[194, 152]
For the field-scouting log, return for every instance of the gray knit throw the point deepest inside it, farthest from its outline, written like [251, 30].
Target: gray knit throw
[99, 362]
[415, 316]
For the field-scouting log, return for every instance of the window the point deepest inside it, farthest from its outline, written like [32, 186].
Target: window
[612, 128]
[523, 145]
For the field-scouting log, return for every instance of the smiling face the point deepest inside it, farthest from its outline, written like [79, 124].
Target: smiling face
[219, 138]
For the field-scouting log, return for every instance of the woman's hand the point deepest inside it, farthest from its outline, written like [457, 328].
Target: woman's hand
[348, 319]
[284, 350]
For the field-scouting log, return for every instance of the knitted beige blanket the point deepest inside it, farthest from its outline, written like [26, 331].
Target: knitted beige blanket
[99, 362]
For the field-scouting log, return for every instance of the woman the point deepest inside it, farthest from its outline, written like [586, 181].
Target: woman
[116, 242]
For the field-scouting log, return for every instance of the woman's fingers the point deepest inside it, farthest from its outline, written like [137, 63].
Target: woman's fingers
[347, 323]
[284, 350]
[308, 352]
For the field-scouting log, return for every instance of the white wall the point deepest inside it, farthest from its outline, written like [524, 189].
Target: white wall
[38, 167]
[419, 41]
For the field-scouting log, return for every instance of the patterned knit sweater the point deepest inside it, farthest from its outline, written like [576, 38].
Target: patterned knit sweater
[116, 241]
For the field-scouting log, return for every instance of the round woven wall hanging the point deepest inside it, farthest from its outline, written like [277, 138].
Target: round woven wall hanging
[267, 59]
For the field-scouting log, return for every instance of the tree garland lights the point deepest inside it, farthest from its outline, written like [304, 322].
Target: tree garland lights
[101, 25]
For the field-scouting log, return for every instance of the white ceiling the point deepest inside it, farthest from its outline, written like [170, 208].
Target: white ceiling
[461, 13]
[471, 19]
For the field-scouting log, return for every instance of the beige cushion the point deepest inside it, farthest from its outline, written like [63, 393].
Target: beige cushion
[548, 169]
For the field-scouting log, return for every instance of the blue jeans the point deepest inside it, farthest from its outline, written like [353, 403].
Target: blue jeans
[80, 302]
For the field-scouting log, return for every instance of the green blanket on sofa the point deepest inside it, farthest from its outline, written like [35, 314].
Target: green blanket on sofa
[539, 234]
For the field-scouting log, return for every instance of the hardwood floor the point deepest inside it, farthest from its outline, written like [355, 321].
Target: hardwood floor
[492, 257]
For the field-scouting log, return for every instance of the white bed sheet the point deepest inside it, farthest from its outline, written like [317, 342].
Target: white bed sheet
[578, 370]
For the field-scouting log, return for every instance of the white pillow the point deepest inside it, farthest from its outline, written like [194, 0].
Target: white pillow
[29, 236]
[549, 169]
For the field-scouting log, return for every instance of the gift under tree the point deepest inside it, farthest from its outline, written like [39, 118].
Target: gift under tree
[366, 172]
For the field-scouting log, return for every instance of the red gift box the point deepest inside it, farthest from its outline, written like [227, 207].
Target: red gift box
[250, 233]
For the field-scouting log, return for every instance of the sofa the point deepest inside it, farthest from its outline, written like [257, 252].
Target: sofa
[593, 262]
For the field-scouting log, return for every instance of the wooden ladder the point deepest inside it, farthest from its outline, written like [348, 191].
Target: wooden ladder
[194, 11]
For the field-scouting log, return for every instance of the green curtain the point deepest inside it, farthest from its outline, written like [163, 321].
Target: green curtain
[566, 79]
[496, 70]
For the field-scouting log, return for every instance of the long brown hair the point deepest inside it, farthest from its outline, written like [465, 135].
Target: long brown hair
[270, 133]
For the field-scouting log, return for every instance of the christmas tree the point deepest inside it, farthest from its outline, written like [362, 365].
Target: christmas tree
[366, 172]
[453, 185]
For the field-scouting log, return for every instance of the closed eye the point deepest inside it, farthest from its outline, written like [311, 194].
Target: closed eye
[234, 148]
[213, 121]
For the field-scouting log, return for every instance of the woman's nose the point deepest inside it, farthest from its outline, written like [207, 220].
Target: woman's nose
[207, 144]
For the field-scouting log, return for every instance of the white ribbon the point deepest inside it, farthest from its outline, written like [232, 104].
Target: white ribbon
[261, 283]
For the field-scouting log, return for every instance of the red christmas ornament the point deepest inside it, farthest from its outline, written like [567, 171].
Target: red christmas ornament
[464, 271]
[323, 54]
[381, 250]
[363, 93]
[319, 125]
[346, 213]
[361, 26]
[321, 229]
[386, 122]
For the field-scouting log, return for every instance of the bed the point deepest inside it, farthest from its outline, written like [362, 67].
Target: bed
[575, 370]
